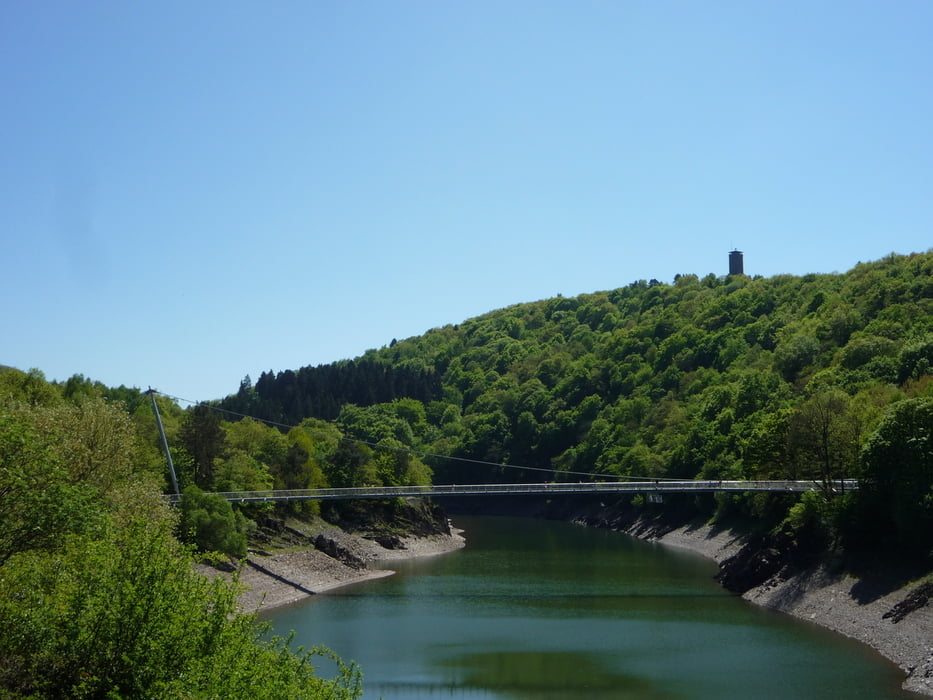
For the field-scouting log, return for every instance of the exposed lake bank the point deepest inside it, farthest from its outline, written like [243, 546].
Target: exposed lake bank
[541, 609]
[328, 559]
[897, 622]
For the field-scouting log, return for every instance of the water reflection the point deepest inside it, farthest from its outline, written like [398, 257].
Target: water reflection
[540, 610]
[552, 676]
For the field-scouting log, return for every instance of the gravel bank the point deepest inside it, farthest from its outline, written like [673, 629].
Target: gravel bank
[857, 608]
[282, 578]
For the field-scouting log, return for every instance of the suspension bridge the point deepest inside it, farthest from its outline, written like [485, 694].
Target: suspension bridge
[541, 489]
[653, 488]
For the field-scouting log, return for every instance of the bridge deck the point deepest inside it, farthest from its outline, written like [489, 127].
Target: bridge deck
[600, 487]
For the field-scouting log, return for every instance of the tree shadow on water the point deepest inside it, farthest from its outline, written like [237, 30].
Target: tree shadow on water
[552, 675]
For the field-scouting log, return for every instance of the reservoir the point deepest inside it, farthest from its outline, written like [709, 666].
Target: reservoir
[542, 610]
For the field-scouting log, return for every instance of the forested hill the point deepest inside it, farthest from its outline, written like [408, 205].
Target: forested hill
[816, 377]
[708, 376]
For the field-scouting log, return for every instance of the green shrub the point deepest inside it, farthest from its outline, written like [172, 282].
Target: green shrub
[210, 523]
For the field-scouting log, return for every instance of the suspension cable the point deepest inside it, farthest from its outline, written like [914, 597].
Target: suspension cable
[405, 450]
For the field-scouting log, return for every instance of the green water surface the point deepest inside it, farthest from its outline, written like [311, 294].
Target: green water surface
[539, 610]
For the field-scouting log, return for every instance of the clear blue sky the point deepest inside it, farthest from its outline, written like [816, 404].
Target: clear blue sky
[191, 192]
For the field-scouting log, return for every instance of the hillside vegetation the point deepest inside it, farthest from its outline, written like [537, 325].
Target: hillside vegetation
[818, 377]
[98, 597]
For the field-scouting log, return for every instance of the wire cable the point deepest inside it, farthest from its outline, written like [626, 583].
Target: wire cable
[405, 450]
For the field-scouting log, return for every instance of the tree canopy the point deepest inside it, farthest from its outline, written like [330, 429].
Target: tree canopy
[98, 597]
[818, 377]
[739, 377]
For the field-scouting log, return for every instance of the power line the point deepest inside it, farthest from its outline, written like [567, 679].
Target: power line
[420, 455]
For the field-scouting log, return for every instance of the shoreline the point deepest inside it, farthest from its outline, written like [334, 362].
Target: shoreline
[841, 603]
[836, 602]
[286, 577]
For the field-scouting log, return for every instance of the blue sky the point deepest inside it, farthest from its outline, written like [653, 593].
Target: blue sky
[194, 192]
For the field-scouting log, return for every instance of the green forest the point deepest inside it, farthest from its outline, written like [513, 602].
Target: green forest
[819, 377]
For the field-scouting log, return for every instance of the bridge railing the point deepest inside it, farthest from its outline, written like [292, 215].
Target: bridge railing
[548, 488]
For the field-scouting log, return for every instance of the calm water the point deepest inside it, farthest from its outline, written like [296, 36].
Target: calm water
[543, 610]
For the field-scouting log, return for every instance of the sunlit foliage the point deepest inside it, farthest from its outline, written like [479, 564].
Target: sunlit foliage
[716, 377]
[98, 598]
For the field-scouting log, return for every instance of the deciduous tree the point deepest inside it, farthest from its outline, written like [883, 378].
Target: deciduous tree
[897, 484]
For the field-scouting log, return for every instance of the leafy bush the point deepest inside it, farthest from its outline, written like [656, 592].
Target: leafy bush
[807, 514]
[127, 616]
[97, 597]
[209, 522]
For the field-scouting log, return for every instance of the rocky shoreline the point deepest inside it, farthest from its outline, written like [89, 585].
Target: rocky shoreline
[329, 559]
[897, 623]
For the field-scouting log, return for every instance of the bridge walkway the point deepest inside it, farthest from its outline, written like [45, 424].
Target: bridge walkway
[546, 488]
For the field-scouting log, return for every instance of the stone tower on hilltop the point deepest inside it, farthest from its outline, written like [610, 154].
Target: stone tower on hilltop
[736, 266]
